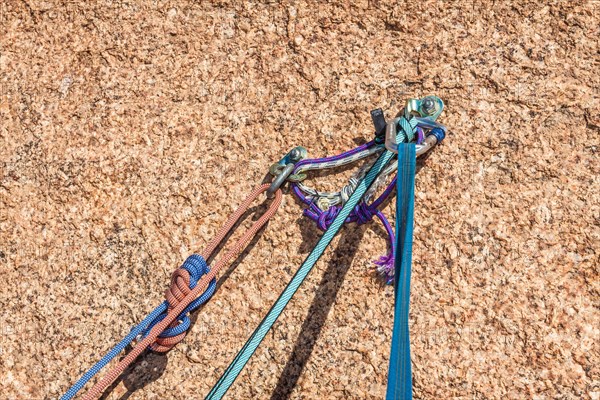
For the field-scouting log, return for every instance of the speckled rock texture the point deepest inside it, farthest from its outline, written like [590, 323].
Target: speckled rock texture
[130, 130]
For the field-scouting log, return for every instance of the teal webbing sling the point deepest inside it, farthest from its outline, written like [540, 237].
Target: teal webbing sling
[399, 375]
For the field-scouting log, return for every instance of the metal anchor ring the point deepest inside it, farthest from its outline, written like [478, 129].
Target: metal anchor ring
[284, 168]
[279, 180]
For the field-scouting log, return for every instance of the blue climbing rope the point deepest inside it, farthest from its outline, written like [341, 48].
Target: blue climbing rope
[197, 267]
[137, 330]
[399, 376]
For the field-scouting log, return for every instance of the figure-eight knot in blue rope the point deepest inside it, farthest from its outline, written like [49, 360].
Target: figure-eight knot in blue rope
[189, 274]
[183, 280]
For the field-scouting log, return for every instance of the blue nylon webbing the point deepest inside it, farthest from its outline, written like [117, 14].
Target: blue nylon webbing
[231, 373]
[399, 375]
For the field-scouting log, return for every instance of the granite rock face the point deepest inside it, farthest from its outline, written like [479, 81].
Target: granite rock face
[130, 130]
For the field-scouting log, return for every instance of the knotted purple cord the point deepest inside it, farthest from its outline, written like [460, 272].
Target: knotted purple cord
[361, 214]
